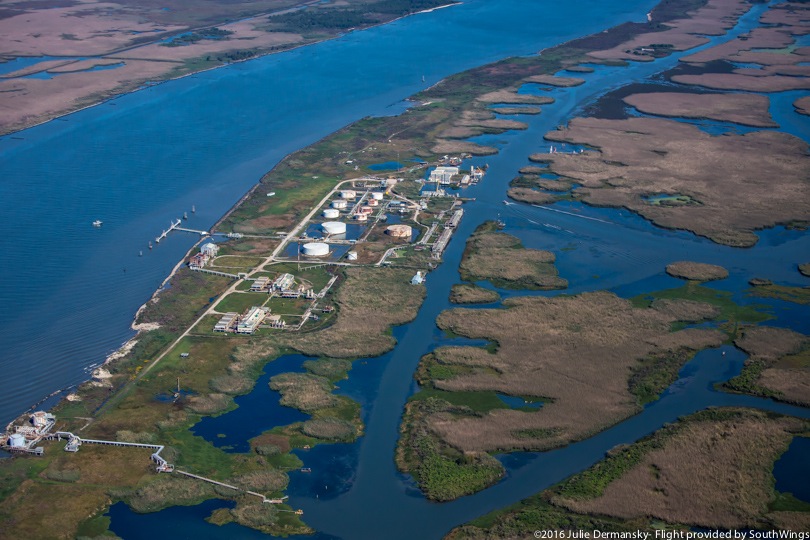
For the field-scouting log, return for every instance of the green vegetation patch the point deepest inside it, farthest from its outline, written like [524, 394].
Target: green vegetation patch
[747, 382]
[442, 472]
[730, 312]
[313, 20]
[656, 373]
[240, 302]
[798, 295]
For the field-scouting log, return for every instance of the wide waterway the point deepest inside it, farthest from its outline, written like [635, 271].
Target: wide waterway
[354, 491]
[70, 290]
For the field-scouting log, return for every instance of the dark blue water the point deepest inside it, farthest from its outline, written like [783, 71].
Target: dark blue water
[387, 166]
[256, 412]
[143, 159]
[792, 470]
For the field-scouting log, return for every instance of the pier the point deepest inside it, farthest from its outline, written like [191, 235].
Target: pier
[75, 442]
[194, 231]
[164, 234]
[215, 272]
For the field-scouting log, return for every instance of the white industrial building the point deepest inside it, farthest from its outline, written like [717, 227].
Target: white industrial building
[284, 282]
[210, 249]
[250, 322]
[443, 175]
[226, 322]
[260, 284]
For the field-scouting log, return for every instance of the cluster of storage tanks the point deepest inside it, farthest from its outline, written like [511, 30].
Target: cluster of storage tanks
[333, 228]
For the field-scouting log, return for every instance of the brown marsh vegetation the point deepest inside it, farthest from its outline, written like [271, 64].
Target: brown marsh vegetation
[730, 185]
[501, 259]
[694, 271]
[746, 109]
[466, 293]
[711, 469]
[778, 365]
[579, 352]
[714, 474]
[370, 300]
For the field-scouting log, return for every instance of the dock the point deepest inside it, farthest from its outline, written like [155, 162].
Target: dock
[174, 225]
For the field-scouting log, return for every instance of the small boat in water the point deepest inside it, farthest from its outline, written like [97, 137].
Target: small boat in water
[97, 223]
[306, 469]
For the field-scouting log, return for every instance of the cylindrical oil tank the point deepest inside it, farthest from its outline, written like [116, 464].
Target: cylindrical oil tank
[334, 227]
[361, 217]
[377, 195]
[399, 231]
[340, 205]
[331, 213]
[352, 256]
[17, 440]
[348, 194]
[366, 209]
[373, 202]
[315, 249]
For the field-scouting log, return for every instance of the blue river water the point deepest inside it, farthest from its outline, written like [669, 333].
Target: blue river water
[354, 490]
[70, 290]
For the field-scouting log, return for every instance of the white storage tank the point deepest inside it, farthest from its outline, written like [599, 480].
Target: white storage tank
[377, 195]
[351, 256]
[373, 202]
[334, 227]
[399, 231]
[17, 440]
[361, 217]
[315, 249]
[348, 194]
[340, 205]
[366, 209]
[331, 213]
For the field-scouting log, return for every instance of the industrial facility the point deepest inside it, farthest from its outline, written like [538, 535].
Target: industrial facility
[23, 439]
[208, 251]
[283, 282]
[250, 322]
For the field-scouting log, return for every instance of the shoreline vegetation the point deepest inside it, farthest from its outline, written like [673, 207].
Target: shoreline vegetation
[123, 402]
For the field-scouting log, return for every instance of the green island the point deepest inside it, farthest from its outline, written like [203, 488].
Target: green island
[474, 401]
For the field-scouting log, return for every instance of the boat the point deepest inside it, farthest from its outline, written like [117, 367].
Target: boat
[306, 469]
[98, 223]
